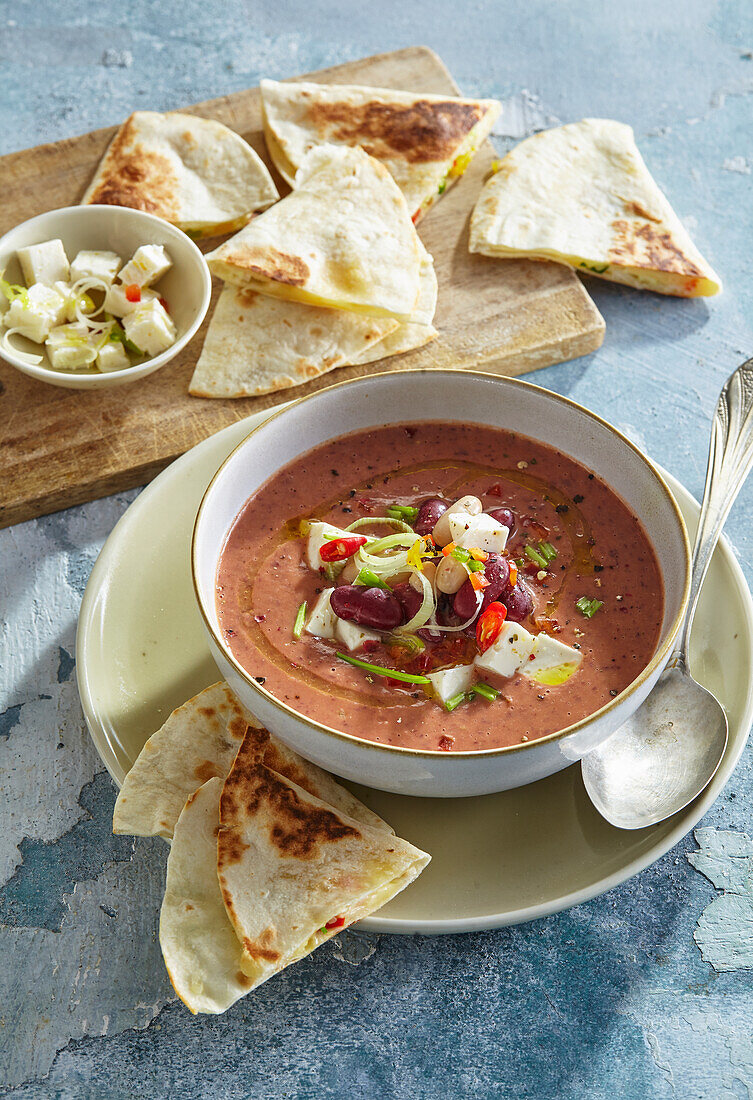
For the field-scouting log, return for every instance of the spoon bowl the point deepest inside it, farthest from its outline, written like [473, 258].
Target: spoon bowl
[670, 748]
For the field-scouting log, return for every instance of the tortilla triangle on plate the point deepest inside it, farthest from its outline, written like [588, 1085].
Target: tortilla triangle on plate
[199, 741]
[191, 171]
[290, 865]
[255, 344]
[582, 195]
[343, 239]
[426, 141]
[201, 951]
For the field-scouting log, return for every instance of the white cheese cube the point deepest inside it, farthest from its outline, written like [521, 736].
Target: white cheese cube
[353, 636]
[553, 661]
[149, 263]
[112, 356]
[317, 540]
[118, 305]
[36, 313]
[71, 347]
[322, 621]
[95, 265]
[512, 649]
[150, 328]
[482, 532]
[451, 681]
[44, 263]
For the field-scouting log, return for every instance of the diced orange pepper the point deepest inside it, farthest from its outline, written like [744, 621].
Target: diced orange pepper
[479, 581]
[513, 574]
[478, 555]
[447, 550]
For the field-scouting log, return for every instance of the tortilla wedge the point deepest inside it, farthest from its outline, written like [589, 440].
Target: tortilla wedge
[582, 195]
[191, 171]
[198, 742]
[343, 239]
[426, 141]
[289, 864]
[201, 951]
[255, 344]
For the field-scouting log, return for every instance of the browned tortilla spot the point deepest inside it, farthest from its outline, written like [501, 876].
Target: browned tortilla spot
[272, 264]
[230, 847]
[640, 211]
[204, 771]
[298, 827]
[638, 245]
[245, 297]
[237, 727]
[262, 948]
[243, 979]
[208, 712]
[137, 178]
[418, 133]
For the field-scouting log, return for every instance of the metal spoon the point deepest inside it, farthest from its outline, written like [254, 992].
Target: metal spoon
[669, 750]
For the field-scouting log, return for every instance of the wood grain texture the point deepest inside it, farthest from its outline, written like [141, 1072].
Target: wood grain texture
[62, 447]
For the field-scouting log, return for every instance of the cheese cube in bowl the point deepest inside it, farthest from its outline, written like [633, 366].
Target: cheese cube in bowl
[90, 264]
[149, 327]
[45, 262]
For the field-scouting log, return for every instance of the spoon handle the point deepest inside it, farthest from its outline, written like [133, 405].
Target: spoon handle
[730, 460]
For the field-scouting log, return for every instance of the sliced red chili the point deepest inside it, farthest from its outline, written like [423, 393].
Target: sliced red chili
[340, 549]
[133, 292]
[164, 305]
[489, 625]
[336, 922]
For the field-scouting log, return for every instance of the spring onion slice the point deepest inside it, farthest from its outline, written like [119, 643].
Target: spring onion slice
[299, 620]
[390, 673]
[25, 356]
[393, 521]
[409, 642]
[78, 291]
[535, 556]
[425, 611]
[406, 539]
[382, 566]
[588, 607]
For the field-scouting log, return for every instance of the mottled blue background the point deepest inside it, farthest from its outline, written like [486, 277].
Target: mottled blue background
[611, 999]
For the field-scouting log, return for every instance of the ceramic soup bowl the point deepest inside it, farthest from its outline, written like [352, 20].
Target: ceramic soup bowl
[440, 395]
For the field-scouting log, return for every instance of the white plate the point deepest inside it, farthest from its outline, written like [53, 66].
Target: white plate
[498, 859]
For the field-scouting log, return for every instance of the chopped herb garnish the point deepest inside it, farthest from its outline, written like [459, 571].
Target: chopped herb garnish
[475, 566]
[535, 555]
[370, 579]
[390, 673]
[455, 701]
[402, 511]
[547, 551]
[588, 607]
[485, 690]
[461, 554]
[299, 620]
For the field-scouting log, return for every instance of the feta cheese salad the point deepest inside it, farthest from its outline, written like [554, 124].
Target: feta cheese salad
[91, 314]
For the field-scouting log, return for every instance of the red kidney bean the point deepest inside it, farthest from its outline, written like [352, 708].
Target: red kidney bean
[428, 514]
[519, 602]
[497, 572]
[504, 516]
[372, 607]
[409, 599]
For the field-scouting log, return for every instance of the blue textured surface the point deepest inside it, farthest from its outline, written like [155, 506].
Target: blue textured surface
[610, 999]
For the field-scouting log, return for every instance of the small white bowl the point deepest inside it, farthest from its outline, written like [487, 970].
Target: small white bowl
[187, 286]
[440, 395]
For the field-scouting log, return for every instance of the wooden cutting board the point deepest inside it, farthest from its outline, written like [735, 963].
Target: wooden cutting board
[61, 447]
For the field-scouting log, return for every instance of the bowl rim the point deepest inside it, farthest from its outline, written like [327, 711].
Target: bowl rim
[662, 653]
[94, 381]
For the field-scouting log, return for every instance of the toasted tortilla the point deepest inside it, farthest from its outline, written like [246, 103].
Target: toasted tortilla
[255, 344]
[343, 239]
[289, 864]
[198, 742]
[426, 141]
[193, 172]
[201, 951]
[582, 195]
